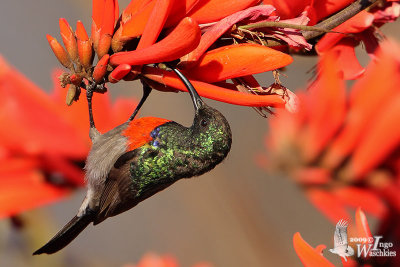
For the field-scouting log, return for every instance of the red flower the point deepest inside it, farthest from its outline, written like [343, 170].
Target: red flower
[42, 141]
[164, 31]
[342, 146]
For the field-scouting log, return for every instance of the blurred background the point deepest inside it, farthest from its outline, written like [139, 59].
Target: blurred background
[235, 215]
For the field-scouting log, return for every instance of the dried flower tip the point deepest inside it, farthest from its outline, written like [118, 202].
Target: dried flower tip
[71, 94]
[59, 52]
[69, 39]
[101, 68]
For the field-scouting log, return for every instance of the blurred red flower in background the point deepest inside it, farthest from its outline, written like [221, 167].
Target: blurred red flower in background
[342, 147]
[43, 143]
[153, 260]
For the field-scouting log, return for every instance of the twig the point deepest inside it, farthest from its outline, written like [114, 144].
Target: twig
[340, 17]
[278, 24]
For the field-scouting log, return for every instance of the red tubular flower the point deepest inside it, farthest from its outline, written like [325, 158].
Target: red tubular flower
[207, 90]
[183, 39]
[43, 141]
[228, 62]
[119, 72]
[107, 27]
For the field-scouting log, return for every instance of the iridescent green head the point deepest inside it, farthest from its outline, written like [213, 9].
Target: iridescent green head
[210, 132]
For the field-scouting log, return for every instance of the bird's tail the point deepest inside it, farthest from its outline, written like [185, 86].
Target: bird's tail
[65, 236]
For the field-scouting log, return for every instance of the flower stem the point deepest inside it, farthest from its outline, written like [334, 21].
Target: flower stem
[340, 17]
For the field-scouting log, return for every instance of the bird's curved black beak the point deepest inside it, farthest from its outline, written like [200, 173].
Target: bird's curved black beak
[197, 101]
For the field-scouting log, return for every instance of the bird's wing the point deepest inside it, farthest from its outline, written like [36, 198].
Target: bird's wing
[118, 187]
[340, 236]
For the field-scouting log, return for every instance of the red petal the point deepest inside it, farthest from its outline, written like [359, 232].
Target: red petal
[347, 59]
[307, 254]
[132, 8]
[156, 261]
[381, 140]
[356, 24]
[98, 11]
[107, 25]
[155, 23]
[17, 165]
[56, 164]
[326, 8]
[179, 11]
[288, 9]
[236, 61]
[364, 198]
[183, 39]
[328, 204]
[134, 26]
[312, 176]
[213, 10]
[368, 95]
[327, 108]
[26, 190]
[362, 224]
[213, 92]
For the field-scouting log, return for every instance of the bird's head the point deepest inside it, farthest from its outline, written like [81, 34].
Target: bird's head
[209, 124]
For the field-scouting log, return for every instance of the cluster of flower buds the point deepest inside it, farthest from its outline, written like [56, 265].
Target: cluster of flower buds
[80, 50]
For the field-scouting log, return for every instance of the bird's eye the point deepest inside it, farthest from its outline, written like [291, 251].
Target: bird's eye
[204, 123]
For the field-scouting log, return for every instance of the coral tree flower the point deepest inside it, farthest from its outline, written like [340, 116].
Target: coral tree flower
[149, 32]
[43, 144]
[342, 147]
[311, 257]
